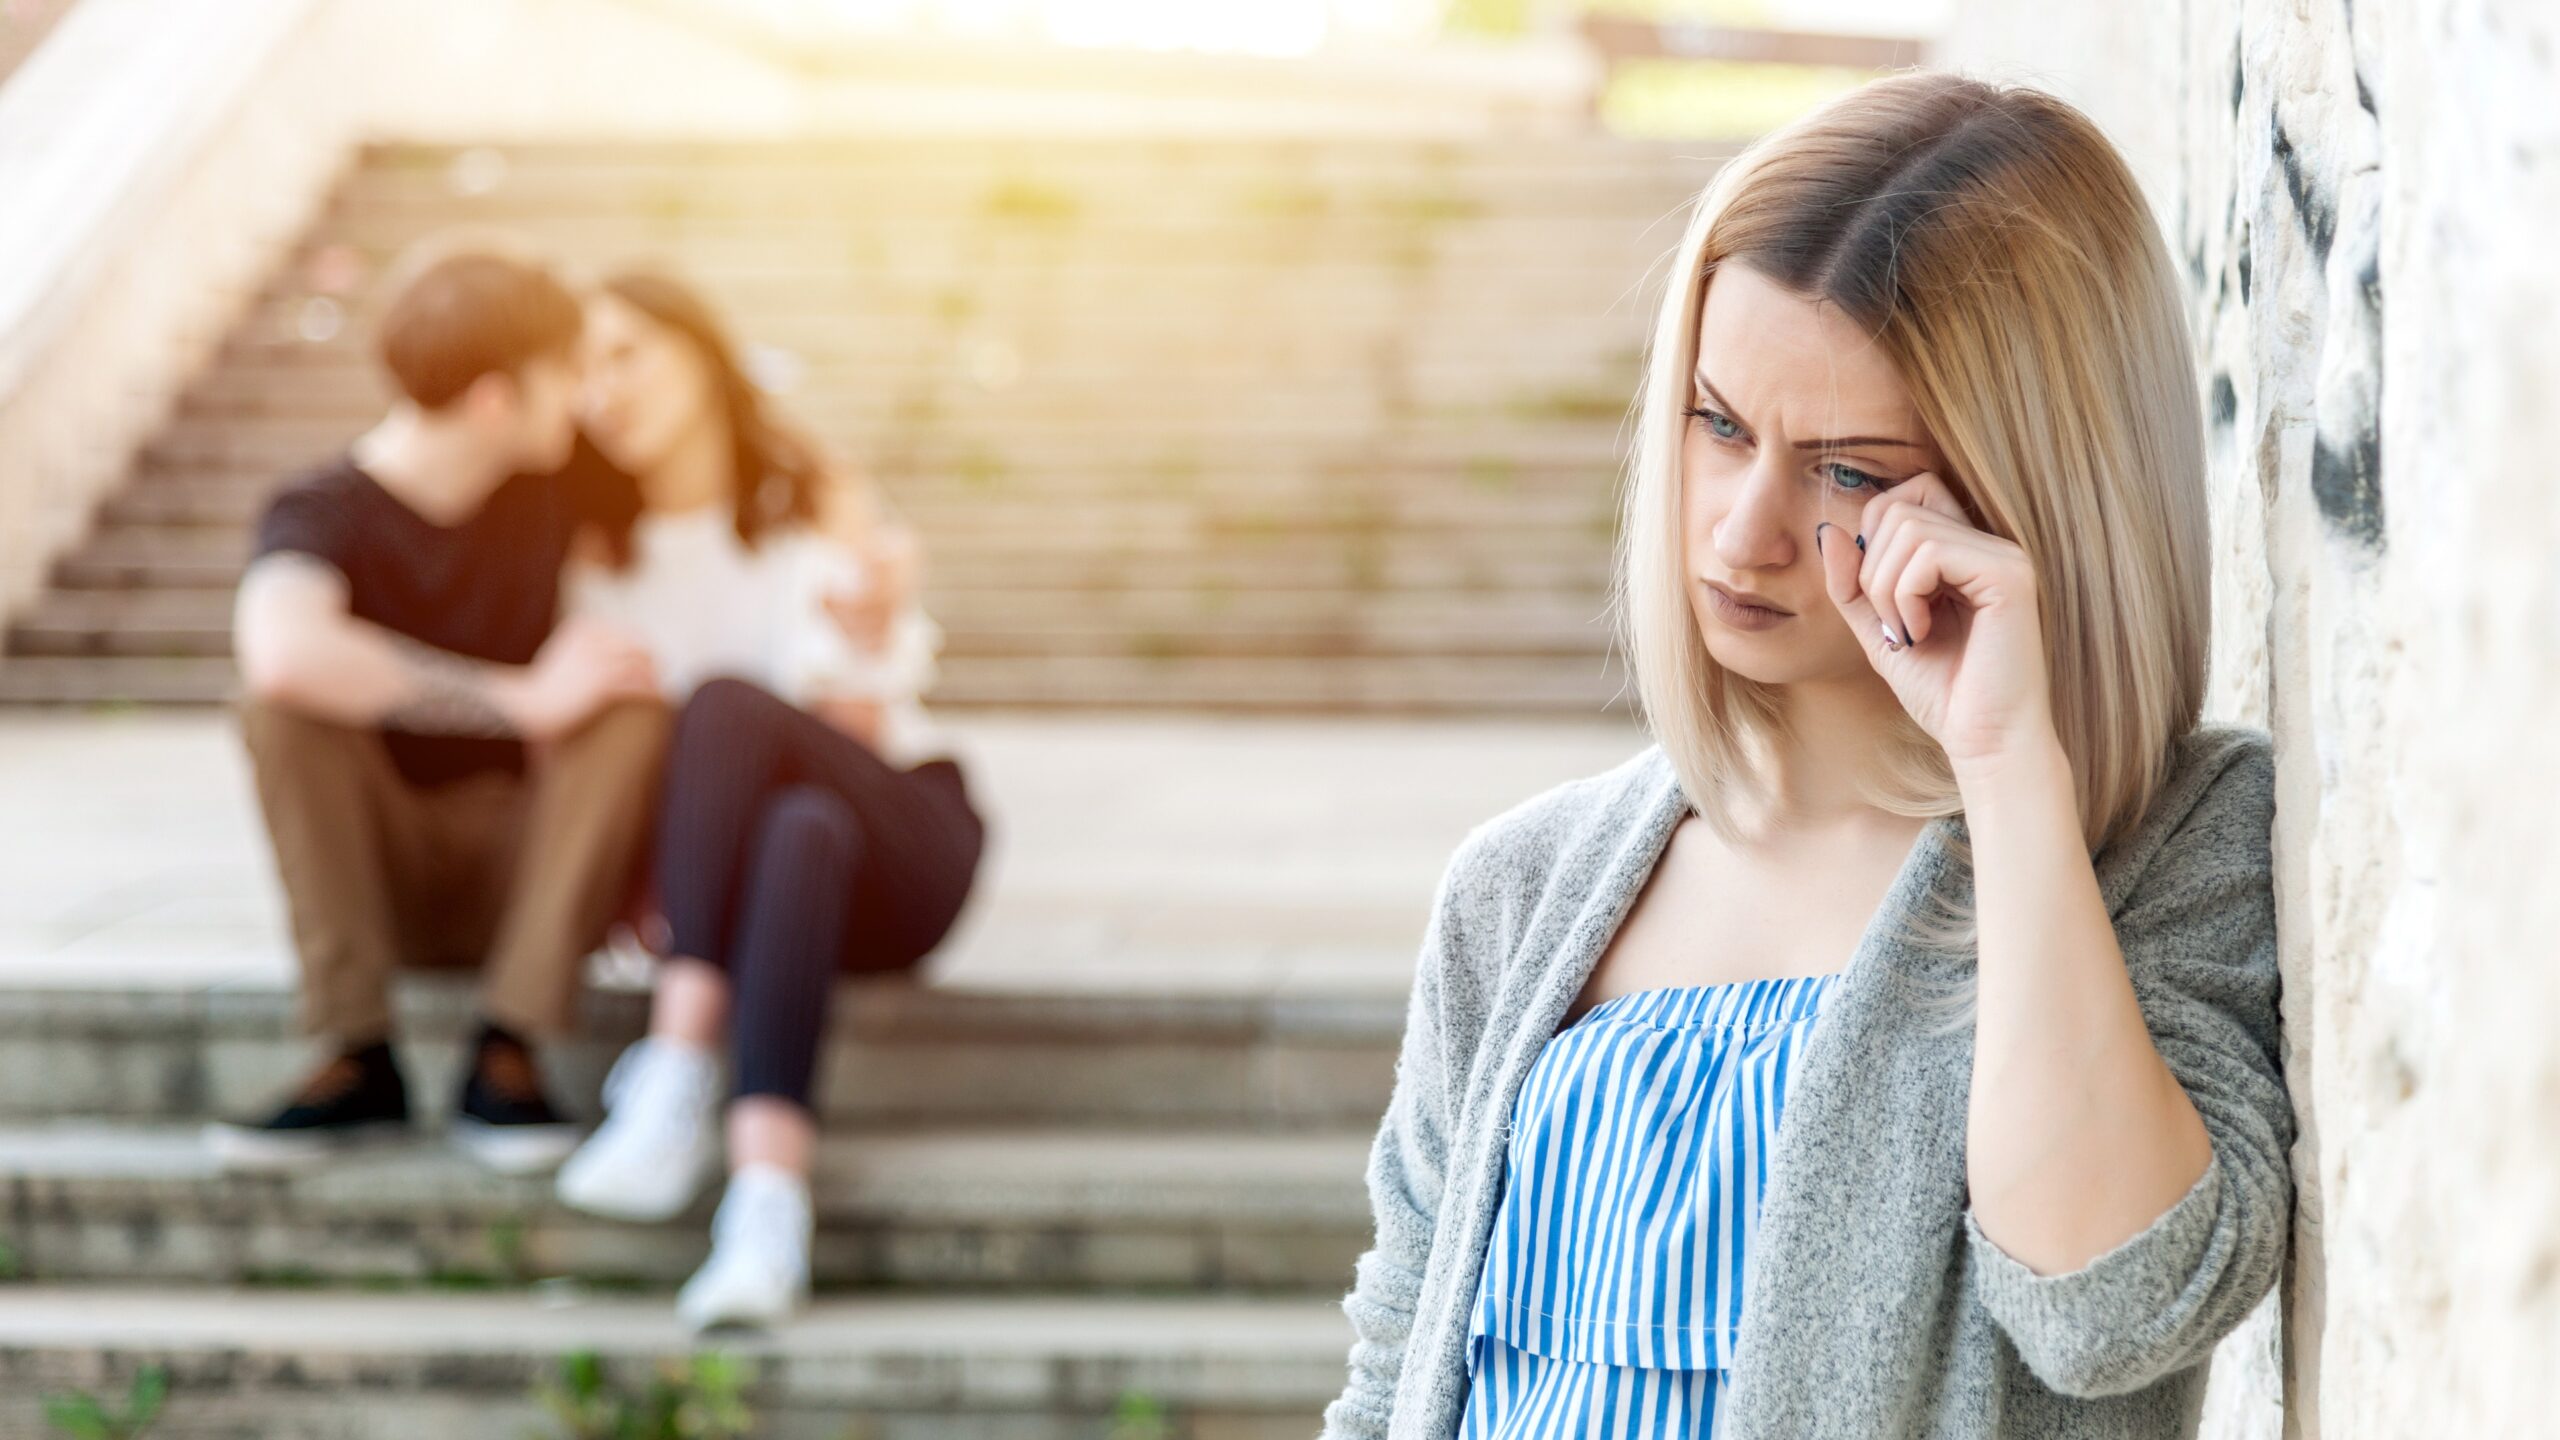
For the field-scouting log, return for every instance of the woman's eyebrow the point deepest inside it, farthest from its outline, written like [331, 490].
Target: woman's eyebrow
[1841, 443]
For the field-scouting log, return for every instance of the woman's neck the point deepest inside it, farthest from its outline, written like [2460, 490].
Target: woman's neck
[694, 473]
[1822, 775]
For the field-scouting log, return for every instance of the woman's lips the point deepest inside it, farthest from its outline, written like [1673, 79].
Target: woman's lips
[1742, 615]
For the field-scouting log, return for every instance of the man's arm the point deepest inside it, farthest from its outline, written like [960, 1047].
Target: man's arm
[299, 647]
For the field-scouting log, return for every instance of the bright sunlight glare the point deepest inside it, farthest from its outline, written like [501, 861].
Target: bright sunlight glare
[1242, 27]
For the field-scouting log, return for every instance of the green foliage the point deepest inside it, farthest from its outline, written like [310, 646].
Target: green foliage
[1492, 472]
[84, 1416]
[1290, 202]
[1486, 17]
[1139, 1416]
[1032, 203]
[506, 1247]
[1571, 402]
[1719, 99]
[981, 469]
[696, 1398]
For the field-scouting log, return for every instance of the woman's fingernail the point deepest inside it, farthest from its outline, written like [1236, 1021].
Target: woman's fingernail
[1890, 642]
[1862, 541]
[1817, 534]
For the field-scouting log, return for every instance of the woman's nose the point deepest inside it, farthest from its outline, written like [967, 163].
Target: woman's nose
[1756, 531]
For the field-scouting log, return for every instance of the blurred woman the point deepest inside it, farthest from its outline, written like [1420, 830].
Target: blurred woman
[815, 820]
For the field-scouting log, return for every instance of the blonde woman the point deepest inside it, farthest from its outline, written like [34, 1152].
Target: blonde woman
[1931, 858]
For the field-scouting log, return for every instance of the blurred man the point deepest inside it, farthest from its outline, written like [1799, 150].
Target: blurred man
[447, 777]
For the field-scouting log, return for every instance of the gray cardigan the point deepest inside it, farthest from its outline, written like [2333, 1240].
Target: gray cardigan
[1874, 1305]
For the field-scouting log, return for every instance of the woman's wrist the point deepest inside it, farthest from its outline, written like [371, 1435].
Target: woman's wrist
[2024, 791]
[2031, 762]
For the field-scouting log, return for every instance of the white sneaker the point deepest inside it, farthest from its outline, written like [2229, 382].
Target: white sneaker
[659, 1145]
[758, 1272]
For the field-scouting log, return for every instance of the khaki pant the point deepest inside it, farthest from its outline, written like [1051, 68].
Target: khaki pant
[519, 874]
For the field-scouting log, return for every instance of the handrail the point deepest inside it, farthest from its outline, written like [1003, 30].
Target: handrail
[23, 27]
[150, 166]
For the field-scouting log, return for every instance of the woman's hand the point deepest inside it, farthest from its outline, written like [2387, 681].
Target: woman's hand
[892, 561]
[860, 718]
[1973, 671]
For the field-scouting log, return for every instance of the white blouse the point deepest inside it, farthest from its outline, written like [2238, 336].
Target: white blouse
[706, 605]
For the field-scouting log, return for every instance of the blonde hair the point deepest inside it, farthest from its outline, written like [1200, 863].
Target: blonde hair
[2001, 255]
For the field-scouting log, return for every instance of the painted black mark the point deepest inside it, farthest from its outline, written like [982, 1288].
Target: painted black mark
[2310, 204]
[2346, 484]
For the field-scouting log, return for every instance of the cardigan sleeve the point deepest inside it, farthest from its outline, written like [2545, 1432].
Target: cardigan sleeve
[2199, 940]
[1406, 1171]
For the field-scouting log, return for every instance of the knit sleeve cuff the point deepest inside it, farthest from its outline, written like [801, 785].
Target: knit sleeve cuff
[2078, 1329]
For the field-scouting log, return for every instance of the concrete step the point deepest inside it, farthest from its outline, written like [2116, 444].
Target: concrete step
[1369, 376]
[744, 239]
[1453, 496]
[1575, 554]
[1091, 439]
[980, 1209]
[290, 1365]
[845, 354]
[1205, 168]
[1141, 154]
[919, 464]
[984, 623]
[1565, 685]
[189, 557]
[900, 1053]
[960, 511]
[908, 287]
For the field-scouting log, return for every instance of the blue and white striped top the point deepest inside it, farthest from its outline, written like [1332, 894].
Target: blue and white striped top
[1639, 1149]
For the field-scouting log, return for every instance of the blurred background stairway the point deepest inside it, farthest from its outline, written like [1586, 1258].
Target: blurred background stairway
[1238, 423]
[1263, 421]
[1289, 429]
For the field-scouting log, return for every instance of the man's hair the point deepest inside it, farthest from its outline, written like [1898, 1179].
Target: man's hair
[460, 311]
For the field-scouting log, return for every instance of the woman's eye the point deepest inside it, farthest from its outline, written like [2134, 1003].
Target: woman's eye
[1719, 425]
[1849, 477]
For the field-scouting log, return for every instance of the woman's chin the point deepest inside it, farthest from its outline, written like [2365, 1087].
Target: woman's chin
[1757, 658]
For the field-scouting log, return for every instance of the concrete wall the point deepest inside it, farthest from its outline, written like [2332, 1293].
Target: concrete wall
[2363, 195]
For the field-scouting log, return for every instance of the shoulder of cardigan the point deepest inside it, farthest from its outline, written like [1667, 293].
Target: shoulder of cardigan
[1599, 835]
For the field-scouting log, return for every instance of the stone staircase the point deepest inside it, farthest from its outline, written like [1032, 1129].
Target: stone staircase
[1096, 1175]
[1036, 1212]
[1240, 425]
[1253, 424]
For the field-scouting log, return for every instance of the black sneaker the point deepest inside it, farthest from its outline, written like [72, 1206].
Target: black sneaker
[355, 1100]
[506, 1122]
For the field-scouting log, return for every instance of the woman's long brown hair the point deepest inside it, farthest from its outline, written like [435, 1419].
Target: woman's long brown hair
[775, 472]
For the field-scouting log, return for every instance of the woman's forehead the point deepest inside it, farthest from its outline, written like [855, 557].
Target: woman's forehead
[1805, 362]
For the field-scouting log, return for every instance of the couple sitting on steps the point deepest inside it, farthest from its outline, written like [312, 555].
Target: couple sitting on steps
[504, 686]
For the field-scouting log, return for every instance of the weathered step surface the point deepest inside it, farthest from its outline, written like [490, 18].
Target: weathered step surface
[1576, 685]
[270, 1365]
[900, 1054]
[974, 1209]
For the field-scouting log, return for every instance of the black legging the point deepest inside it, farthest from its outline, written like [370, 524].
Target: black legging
[788, 852]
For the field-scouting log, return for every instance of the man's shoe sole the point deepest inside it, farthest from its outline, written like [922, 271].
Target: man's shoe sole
[515, 1149]
[252, 1147]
